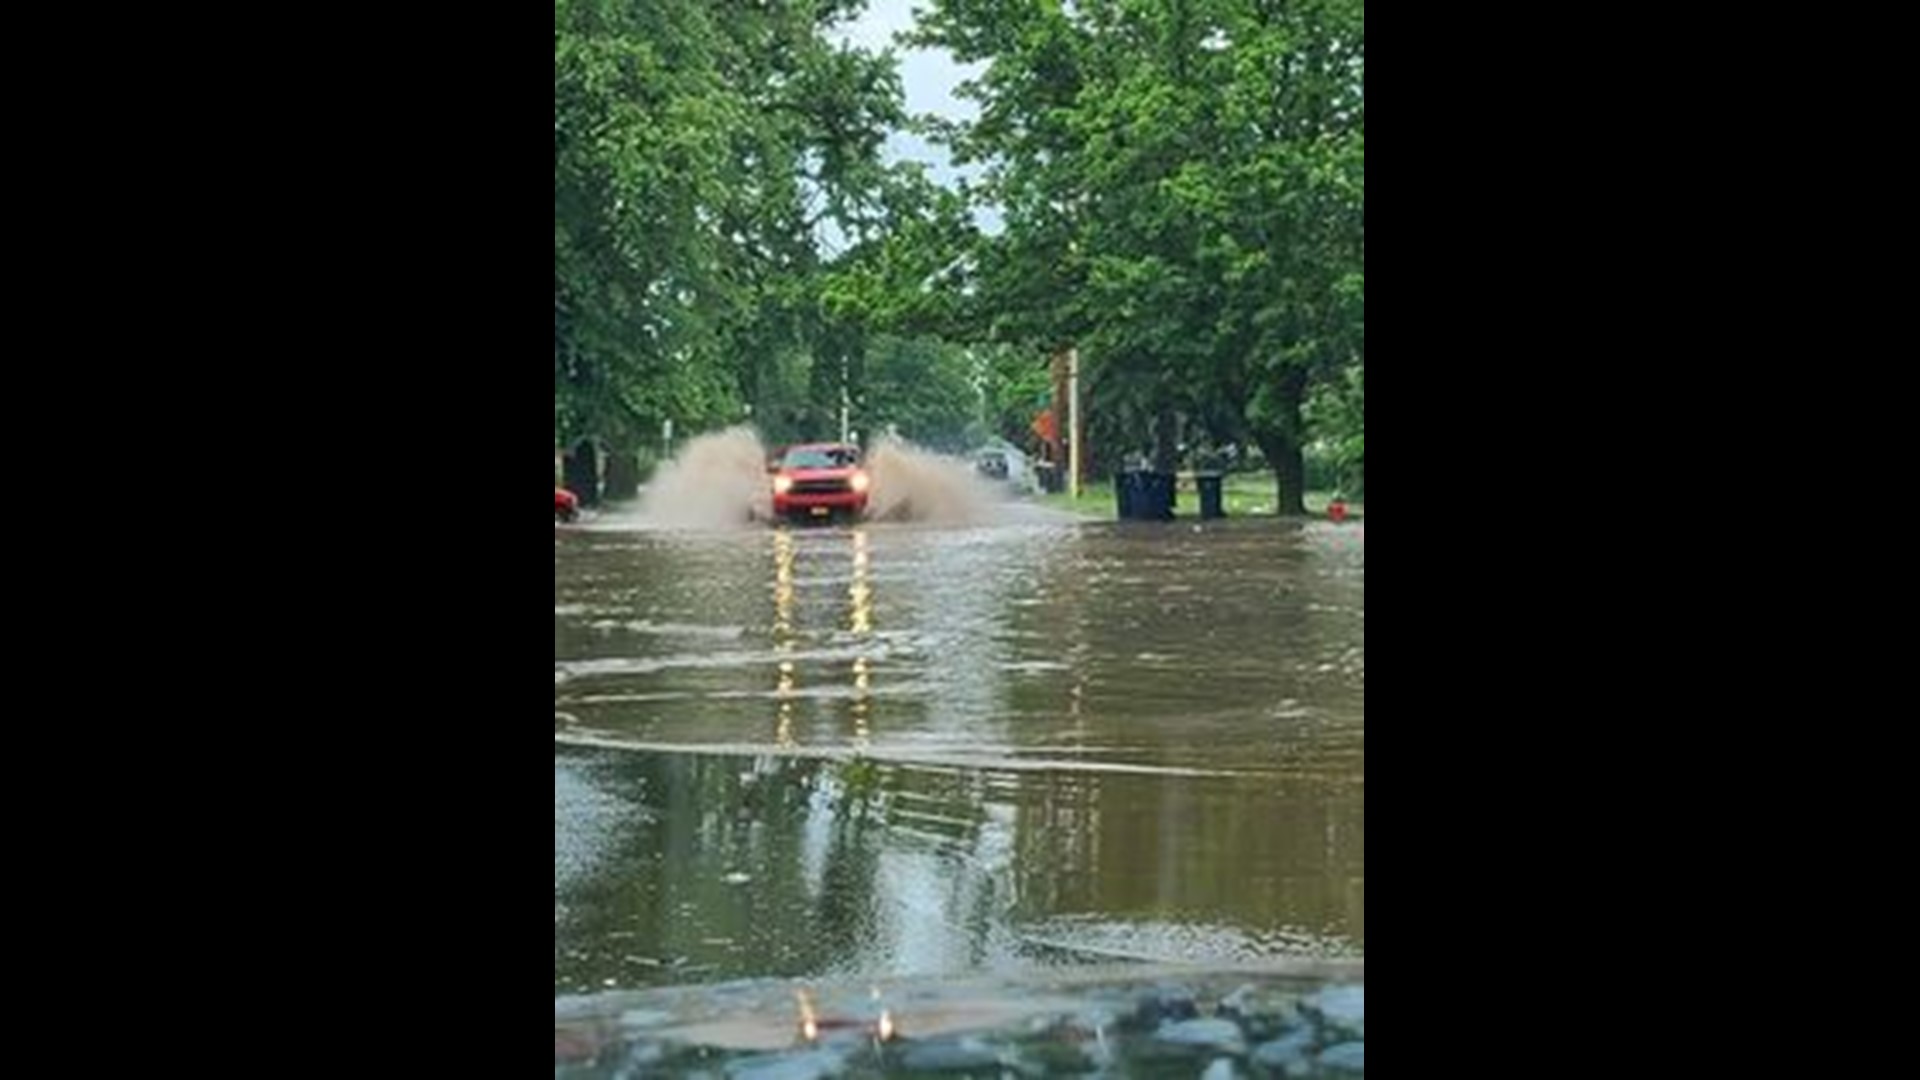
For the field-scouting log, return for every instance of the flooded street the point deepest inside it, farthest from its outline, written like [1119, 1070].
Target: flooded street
[896, 750]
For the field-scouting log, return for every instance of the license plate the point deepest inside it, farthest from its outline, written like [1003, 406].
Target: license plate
[822, 511]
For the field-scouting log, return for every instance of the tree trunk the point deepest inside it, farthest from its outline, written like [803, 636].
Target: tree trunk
[623, 475]
[1290, 476]
[1166, 442]
[583, 472]
[1283, 446]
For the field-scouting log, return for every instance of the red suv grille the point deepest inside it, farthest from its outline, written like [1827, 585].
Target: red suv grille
[818, 487]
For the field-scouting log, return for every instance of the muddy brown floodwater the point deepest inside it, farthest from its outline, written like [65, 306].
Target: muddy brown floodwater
[904, 750]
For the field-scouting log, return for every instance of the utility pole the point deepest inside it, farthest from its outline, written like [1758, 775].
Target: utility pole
[1073, 421]
[846, 401]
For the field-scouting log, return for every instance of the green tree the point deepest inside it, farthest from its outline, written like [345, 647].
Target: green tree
[1182, 185]
[922, 387]
[701, 149]
[1014, 388]
[1337, 414]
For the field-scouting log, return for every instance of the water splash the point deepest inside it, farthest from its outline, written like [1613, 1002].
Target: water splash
[911, 484]
[719, 481]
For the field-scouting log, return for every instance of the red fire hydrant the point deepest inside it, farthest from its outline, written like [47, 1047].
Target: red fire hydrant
[1337, 510]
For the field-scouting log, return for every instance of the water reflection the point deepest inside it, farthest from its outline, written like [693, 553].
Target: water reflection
[891, 750]
[860, 624]
[732, 867]
[795, 622]
[783, 637]
[860, 592]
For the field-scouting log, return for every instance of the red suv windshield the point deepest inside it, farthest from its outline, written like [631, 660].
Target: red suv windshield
[815, 457]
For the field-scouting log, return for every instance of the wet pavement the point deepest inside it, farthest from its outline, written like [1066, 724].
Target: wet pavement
[1008, 749]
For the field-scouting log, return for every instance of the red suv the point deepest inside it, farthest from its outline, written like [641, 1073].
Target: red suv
[819, 480]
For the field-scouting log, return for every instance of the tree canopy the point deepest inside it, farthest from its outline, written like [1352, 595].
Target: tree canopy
[1180, 182]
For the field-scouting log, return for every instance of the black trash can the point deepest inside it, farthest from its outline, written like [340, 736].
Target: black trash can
[1161, 495]
[1125, 484]
[1212, 504]
[1143, 495]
